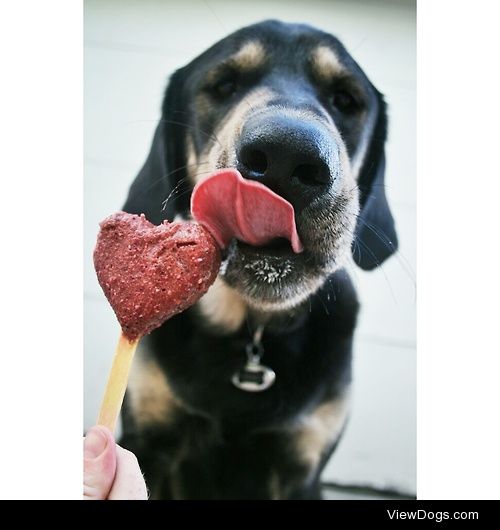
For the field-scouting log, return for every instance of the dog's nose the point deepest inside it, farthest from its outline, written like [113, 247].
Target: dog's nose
[288, 155]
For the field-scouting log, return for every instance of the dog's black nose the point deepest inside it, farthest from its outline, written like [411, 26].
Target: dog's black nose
[288, 155]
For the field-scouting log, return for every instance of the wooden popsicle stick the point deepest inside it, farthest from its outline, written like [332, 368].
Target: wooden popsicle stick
[117, 382]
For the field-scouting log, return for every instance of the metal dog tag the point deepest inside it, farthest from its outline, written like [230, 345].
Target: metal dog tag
[254, 376]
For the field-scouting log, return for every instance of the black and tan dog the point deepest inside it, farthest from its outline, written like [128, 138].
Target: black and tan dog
[285, 104]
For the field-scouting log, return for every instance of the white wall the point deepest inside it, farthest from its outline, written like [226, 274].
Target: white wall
[130, 49]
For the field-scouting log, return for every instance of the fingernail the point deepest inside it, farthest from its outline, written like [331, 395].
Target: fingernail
[94, 444]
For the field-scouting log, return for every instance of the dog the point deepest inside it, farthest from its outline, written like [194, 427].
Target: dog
[286, 105]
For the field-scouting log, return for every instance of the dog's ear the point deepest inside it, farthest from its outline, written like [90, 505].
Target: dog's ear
[158, 190]
[375, 236]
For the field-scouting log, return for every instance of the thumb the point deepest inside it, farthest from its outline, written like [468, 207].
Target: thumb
[99, 463]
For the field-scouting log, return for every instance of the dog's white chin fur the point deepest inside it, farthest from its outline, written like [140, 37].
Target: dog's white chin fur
[226, 308]
[307, 288]
[287, 302]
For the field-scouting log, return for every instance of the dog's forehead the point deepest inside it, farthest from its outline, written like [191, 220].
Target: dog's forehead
[279, 44]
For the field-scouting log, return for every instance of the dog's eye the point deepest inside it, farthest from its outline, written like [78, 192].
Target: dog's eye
[343, 101]
[225, 88]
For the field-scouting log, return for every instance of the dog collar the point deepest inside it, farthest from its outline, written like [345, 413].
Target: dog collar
[254, 376]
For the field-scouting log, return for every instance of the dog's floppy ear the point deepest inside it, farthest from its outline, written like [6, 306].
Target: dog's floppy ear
[158, 179]
[375, 237]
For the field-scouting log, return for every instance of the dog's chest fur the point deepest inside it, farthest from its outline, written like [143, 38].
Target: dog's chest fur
[198, 436]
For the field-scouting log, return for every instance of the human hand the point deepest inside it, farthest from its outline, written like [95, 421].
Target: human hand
[110, 472]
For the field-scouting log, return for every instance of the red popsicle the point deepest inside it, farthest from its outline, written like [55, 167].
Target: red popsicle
[148, 273]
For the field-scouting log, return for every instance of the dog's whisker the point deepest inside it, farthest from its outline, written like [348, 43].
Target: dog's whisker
[250, 106]
[184, 179]
[355, 187]
[353, 270]
[165, 176]
[331, 291]
[172, 193]
[212, 136]
[199, 173]
[379, 265]
[175, 194]
[318, 296]
[402, 259]
[363, 246]
[194, 127]
[404, 262]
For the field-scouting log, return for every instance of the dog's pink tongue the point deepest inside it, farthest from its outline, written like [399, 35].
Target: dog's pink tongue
[231, 206]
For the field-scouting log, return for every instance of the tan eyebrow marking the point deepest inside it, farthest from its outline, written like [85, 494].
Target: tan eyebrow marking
[249, 57]
[326, 64]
